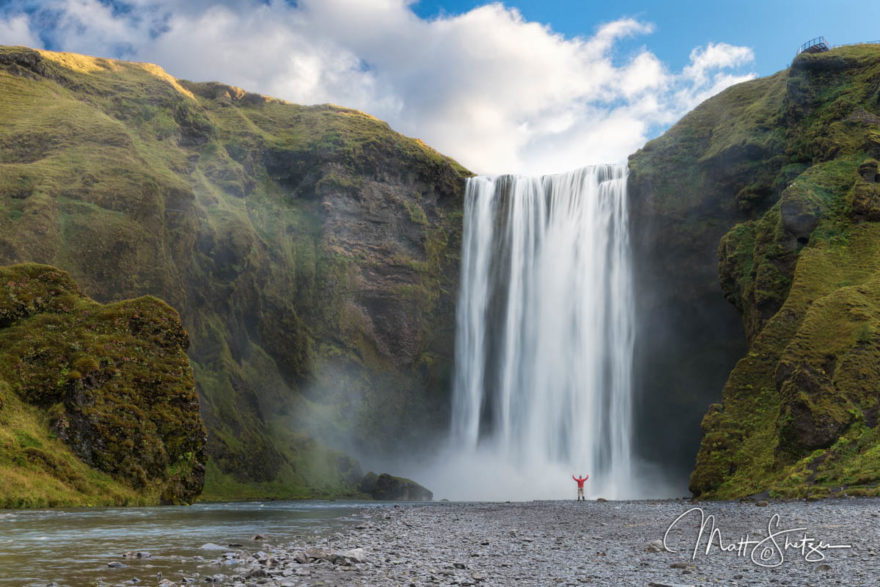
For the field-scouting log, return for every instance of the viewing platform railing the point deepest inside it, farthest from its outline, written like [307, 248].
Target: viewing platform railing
[819, 44]
[816, 45]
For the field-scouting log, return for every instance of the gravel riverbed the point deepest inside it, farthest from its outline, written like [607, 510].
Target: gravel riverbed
[834, 542]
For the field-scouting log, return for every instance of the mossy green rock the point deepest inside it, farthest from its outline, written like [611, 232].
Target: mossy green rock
[312, 253]
[112, 382]
[780, 173]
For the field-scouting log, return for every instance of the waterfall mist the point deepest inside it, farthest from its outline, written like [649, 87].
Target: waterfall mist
[544, 342]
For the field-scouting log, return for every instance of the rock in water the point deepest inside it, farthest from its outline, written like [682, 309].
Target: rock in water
[388, 488]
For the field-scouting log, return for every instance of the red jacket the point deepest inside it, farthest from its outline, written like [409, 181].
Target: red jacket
[580, 480]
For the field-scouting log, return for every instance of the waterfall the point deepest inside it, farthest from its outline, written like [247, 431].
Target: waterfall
[544, 332]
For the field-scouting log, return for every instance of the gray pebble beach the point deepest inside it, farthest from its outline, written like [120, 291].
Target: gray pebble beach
[581, 543]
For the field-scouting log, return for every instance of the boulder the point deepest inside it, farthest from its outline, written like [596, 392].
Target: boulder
[864, 200]
[386, 487]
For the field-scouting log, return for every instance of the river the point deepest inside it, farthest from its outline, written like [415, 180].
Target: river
[76, 546]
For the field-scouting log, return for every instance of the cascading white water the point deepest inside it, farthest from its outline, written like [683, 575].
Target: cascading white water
[544, 339]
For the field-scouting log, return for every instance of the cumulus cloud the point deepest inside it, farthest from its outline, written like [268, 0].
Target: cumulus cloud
[16, 31]
[493, 90]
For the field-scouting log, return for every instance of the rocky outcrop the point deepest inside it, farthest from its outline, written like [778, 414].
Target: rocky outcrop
[864, 198]
[385, 487]
[311, 252]
[778, 176]
[112, 382]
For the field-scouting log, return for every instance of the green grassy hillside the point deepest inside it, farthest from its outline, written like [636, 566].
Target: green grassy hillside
[781, 174]
[97, 402]
[311, 253]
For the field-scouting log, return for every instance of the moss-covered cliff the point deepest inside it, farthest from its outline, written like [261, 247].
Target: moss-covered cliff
[97, 402]
[779, 176]
[311, 252]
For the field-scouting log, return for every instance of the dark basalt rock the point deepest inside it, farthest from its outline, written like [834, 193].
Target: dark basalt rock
[385, 487]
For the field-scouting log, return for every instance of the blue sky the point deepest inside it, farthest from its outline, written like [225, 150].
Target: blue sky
[774, 29]
[522, 86]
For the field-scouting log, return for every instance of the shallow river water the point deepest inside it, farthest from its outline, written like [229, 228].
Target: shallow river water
[75, 546]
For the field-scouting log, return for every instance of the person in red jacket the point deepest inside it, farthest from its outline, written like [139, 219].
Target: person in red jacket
[580, 482]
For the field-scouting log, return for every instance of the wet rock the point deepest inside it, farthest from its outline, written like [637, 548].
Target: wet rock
[355, 555]
[212, 546]
[116, 565]
[315, 553]
[388, 488]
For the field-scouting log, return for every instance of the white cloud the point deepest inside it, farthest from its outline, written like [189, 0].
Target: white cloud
[716, 56]
[16, 31]
[495, 91]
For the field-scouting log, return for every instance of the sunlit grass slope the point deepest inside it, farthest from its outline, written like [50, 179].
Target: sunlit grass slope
[311, 253]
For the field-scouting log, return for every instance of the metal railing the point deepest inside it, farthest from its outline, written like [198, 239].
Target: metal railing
[859, 43]
[819, 44]
[815, 45]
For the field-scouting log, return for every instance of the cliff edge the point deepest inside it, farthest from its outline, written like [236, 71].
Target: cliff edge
[312, 253]
[767, 195]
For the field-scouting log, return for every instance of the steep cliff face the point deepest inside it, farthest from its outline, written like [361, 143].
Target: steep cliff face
[779, 177]
[108, 386]
[311, 252]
